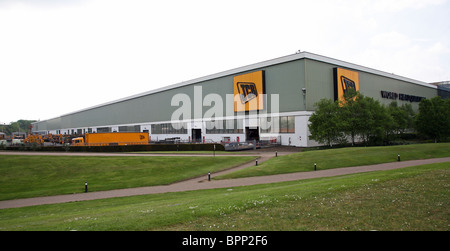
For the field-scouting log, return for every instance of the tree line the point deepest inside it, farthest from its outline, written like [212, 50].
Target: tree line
[18, 126]
[361, 118]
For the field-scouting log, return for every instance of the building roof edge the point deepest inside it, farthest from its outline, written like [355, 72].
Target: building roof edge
[270, 62]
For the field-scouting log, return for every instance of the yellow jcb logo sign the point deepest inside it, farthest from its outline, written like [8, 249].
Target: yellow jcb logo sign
[344, 80]
[249, 88]
[247, 91]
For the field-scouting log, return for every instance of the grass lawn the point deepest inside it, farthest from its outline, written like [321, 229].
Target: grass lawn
[342, 157]
[193, 152]
[413, 198]
[32, 176]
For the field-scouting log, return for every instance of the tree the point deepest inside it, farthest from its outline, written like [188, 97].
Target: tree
[18, 126]
[379, 122]
[350, 114]
[356, 115]
[364, 116]
[403, 117]
[367, 118]
[326, 123]
[433, 119]
[370, 118]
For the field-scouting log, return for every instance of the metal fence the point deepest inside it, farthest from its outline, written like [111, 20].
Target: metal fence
[251, 145]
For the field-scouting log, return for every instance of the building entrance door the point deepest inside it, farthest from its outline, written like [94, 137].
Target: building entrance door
[196, 135]
[252, 134]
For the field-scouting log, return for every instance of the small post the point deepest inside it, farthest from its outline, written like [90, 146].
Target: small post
[85, 187]
[214, 150]
[256, 162]
[315, 166]
[209, 176]
[398, 157]
[276, 153]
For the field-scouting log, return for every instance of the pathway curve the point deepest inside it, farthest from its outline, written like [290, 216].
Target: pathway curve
[202, 182]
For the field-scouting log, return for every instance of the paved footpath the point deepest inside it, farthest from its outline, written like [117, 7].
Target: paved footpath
[202, 182]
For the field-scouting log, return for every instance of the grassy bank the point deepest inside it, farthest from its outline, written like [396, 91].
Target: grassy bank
[32, 176]
[415, 198]
[342, 157]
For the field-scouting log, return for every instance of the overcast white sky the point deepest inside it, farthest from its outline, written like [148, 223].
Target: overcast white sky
[61, 56]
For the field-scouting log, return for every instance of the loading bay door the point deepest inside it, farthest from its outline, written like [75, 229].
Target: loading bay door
[196, 135]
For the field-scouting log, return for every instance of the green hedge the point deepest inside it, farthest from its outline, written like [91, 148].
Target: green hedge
[129, 148]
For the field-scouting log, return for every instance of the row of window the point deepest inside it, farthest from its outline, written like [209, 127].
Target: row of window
[136, 128]
[103, 129]
[283, 124]
[225, 126]
[169, 128]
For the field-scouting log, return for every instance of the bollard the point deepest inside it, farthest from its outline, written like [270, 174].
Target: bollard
[85, 187]
[256, 161]
[276, 153]
[398, 157]
[315, 166]
[214, 151]
[209, 176]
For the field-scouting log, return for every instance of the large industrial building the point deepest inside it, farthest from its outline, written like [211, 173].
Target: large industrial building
[270, 100]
